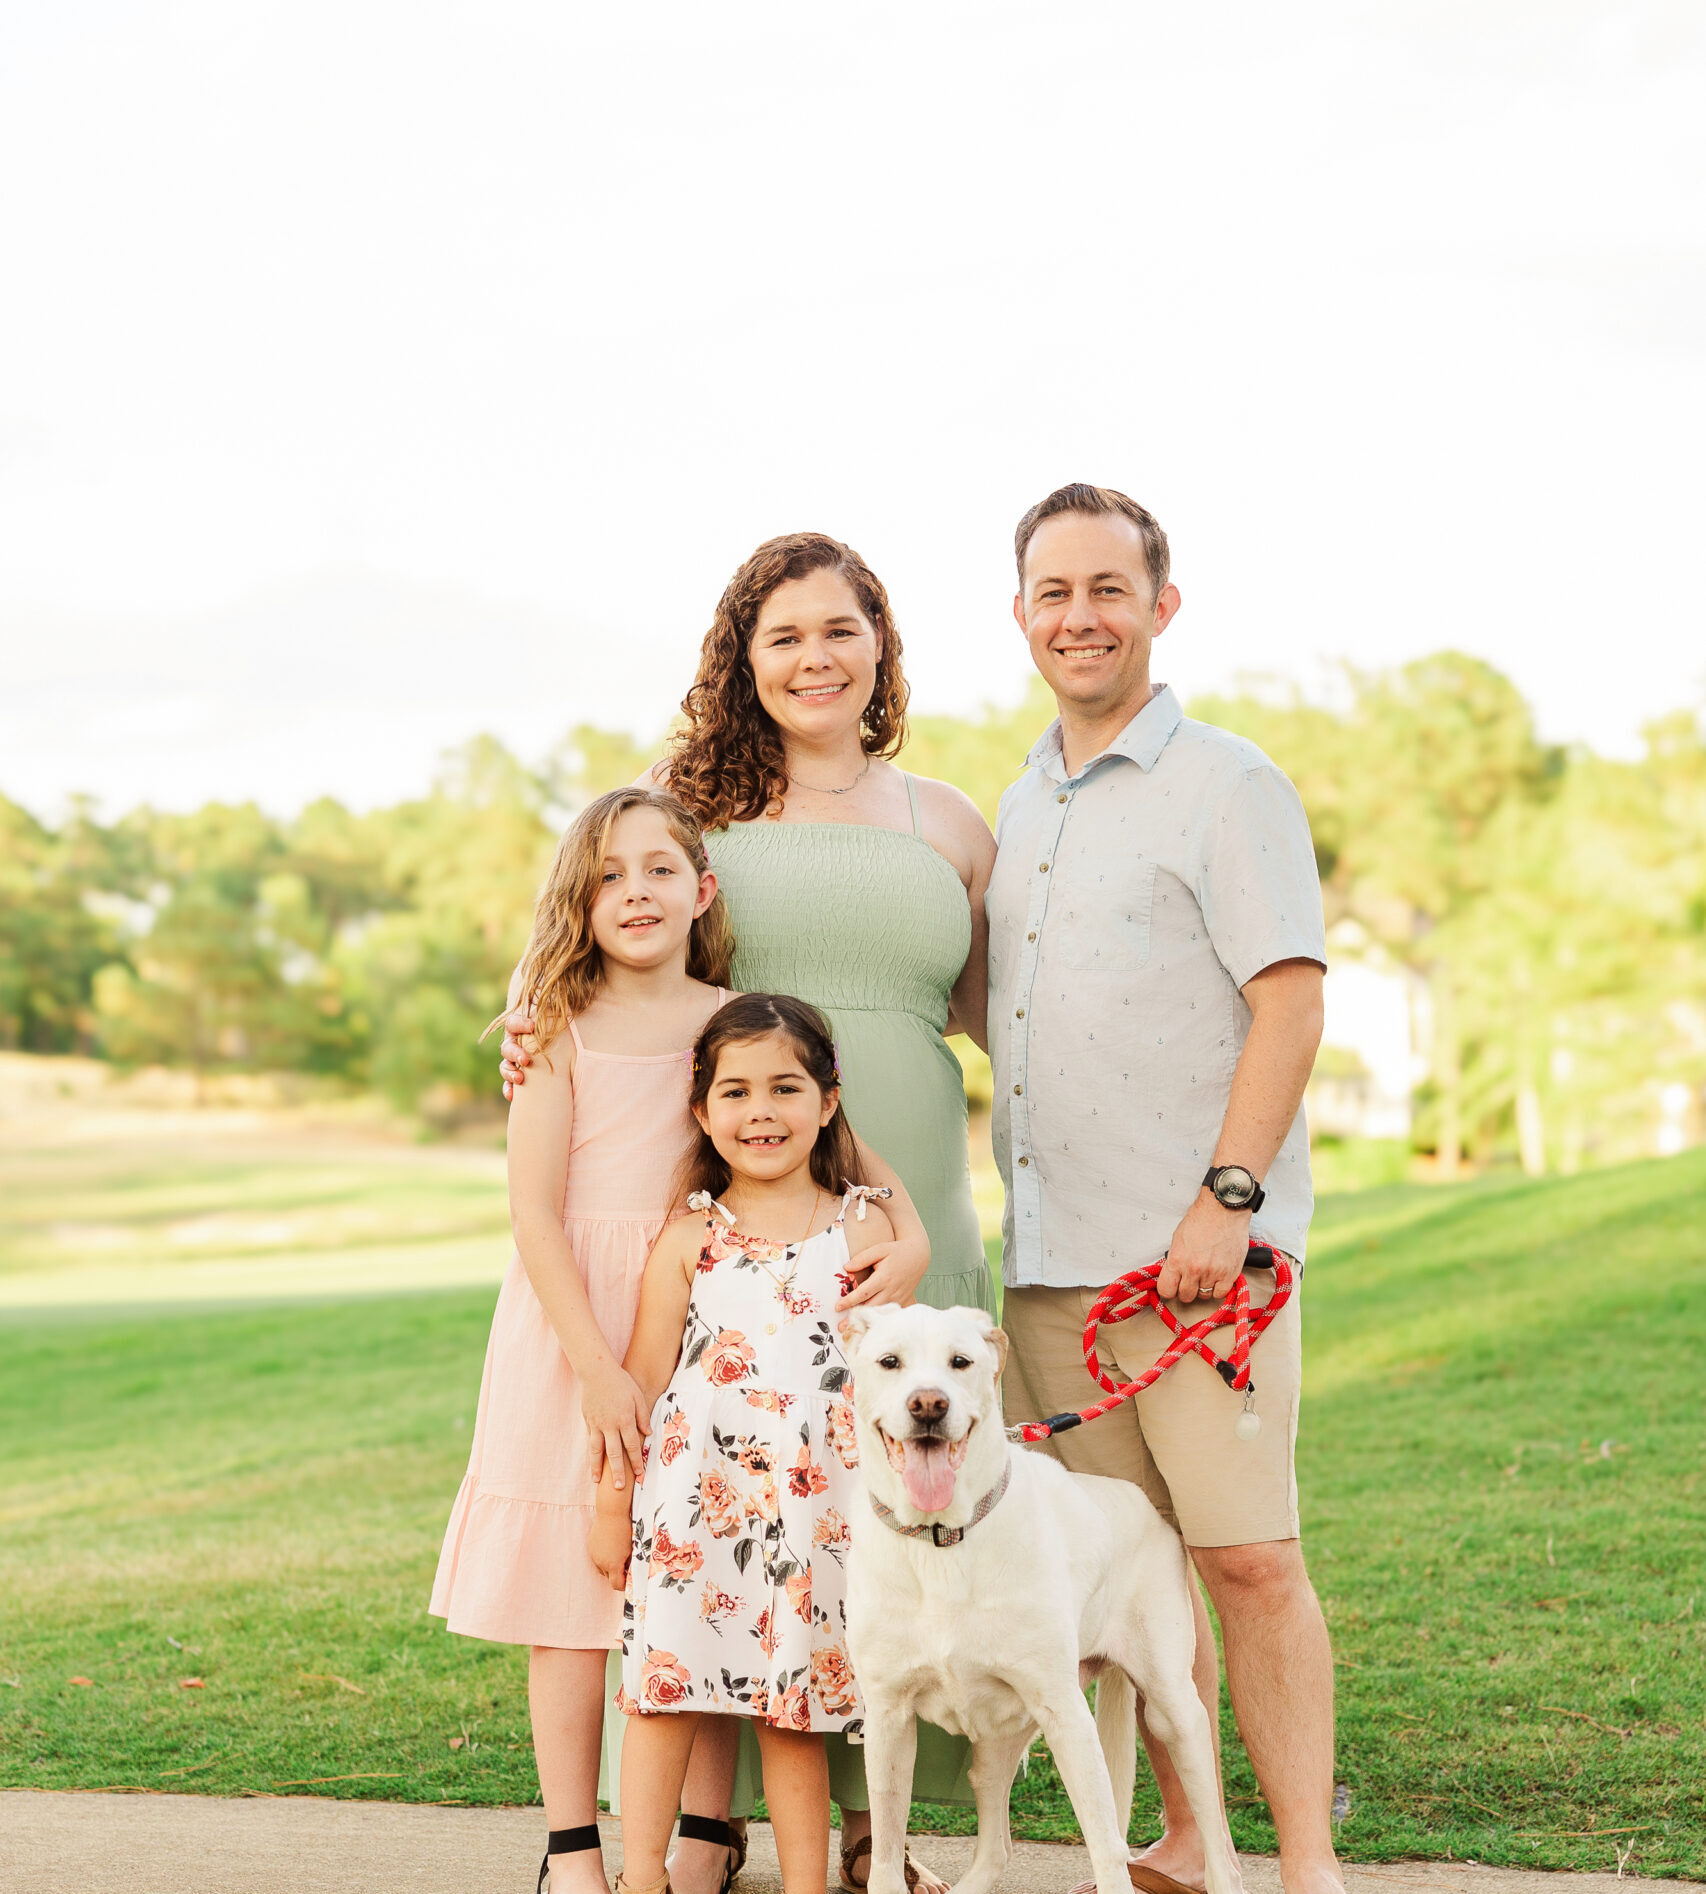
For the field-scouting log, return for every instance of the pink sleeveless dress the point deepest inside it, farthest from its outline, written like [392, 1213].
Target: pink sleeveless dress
[514, 1567]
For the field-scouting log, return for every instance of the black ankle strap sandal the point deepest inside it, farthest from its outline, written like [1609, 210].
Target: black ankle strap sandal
[566, 1841]
[708, 1828]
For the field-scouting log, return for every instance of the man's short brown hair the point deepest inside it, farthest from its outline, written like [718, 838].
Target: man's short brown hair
[1080, 497]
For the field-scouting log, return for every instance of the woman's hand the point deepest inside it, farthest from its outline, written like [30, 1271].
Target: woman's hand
[888, 1272]
[611, 1546]
[513, 1061]
[616, 1423]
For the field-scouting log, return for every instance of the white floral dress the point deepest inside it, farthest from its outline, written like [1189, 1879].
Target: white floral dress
[737, 1590]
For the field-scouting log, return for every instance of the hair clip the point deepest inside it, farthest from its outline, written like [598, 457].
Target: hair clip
[703, 1200]
[835, 1049]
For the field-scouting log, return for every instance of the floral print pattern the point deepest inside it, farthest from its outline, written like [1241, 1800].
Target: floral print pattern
[737, 1590]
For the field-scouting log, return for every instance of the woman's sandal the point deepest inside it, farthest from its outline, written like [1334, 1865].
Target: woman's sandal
[857, 1852]
[708, 1828]
[566, 1841]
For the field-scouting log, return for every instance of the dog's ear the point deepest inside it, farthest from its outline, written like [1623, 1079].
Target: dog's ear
[996, 1336]
[853, 1325]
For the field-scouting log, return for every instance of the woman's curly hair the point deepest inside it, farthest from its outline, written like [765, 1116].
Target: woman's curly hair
[727, 765]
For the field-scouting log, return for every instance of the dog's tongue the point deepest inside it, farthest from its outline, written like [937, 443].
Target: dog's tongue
[927, 1474]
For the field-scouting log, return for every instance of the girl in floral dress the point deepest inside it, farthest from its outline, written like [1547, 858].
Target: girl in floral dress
[734, 1552]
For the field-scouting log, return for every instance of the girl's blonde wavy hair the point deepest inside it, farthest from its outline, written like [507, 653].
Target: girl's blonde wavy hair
[562, 969]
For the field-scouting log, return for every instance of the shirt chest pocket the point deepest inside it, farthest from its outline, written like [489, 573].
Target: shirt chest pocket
[1105, 920]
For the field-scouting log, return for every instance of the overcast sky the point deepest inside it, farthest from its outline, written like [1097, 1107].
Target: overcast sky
[372, 374]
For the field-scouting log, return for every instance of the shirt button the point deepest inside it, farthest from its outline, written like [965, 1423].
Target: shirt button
[1030, 937]
[1018, 1090]
[1020, 1014]
[1024, 1160]
[1042, 868]
[1060, 798]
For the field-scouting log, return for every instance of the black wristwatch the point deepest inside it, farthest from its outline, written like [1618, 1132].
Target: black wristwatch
[1234, 1187]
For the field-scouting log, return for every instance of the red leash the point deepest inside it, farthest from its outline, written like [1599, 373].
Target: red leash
[1131, 1294]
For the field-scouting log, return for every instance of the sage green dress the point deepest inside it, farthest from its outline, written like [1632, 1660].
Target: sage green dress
[872, 926]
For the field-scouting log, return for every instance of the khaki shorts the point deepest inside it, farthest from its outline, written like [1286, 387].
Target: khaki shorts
[1175, 1440]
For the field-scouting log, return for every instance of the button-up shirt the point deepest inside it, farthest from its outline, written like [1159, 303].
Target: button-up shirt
[1129, 904]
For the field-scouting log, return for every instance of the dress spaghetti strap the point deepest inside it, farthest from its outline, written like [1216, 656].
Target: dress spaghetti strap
[912, 798]
[575, 1035]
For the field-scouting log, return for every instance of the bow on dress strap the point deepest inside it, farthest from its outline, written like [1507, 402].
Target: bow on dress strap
[859, 1195]
[703, 1200]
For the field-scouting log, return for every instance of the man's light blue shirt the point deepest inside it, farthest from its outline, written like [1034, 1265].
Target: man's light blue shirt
[1130, 903]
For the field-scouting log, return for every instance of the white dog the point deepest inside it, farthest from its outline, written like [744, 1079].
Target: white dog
[987, 1585]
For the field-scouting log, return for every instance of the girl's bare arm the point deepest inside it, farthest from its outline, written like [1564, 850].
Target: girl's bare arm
[650, 1361]
[540, 1121]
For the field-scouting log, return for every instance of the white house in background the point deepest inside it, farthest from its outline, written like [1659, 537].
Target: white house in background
[1369, 1062]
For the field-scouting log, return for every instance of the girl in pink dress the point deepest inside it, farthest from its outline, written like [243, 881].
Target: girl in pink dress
[629, 951]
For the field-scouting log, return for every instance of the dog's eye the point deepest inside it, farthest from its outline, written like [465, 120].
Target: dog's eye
[889, 1361]
[960, 1361]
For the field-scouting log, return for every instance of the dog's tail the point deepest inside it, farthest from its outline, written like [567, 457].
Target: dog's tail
[1116, 1726]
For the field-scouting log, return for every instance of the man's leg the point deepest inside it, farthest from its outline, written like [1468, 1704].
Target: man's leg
[1237, 1508]
[1279, 1668]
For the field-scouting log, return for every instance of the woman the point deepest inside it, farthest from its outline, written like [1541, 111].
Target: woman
[859, 887]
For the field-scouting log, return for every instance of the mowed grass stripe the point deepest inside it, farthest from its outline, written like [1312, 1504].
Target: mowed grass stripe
[1503, 1469]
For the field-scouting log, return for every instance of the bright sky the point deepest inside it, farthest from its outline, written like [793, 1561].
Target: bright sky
[374, 373]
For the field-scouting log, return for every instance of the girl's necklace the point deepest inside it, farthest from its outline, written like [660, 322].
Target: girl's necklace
[785, 1283]
[795, 783]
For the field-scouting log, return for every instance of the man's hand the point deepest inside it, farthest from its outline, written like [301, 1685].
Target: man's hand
[888, 1272]
[611, 1544]
[513, 1061]
[1207, 1251]
[616, 1423]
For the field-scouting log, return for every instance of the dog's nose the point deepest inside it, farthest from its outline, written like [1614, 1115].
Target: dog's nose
[928, 1406]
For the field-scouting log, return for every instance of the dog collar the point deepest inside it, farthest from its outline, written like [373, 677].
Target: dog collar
[946, 1535]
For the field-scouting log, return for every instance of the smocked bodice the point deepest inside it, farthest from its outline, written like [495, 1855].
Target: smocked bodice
[852, 918]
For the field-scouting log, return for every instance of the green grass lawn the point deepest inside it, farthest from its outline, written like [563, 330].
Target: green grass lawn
[1503, 1470]
[150, 1212]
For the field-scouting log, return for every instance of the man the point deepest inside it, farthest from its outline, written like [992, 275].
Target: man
[1156, 953]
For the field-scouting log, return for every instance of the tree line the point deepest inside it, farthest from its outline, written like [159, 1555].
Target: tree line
[1547, 905]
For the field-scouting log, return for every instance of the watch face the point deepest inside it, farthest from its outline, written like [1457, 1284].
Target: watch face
[1234, 1186]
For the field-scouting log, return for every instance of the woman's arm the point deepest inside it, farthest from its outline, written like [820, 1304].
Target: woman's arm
[865, 1233]
[893, 1268]
[955, 828]
[540, 1121]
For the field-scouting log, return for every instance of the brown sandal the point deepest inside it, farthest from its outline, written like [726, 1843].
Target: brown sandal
[857, 1852]
[1145, 1881]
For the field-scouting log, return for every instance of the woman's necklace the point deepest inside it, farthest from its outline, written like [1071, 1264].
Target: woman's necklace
[795, 783]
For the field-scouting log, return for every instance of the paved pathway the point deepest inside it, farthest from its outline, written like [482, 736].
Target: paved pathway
[66, 1843]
